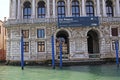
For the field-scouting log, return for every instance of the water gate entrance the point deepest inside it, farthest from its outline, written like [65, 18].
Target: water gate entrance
[65, 44]
[93, 44]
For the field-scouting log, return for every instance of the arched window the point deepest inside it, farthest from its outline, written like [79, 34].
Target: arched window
[109, 8]
[61, 9]
[41, 9]
[75, 8]
[89, 8]
[27, 10]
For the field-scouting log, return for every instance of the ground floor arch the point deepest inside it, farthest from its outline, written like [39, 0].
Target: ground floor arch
[93, 43]
[64, 36]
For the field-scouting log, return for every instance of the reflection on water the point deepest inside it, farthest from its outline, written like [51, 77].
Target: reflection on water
[96, 72]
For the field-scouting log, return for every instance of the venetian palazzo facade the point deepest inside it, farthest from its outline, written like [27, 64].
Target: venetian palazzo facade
[37, 21]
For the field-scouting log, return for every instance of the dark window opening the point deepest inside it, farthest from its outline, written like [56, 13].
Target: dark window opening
[89, 8]
[114, 31]
[41, 46]
[26, 46]
[75, 8]
[25, 33]
[109, 8]
[41, 9]
[61, 9]
[27, 10]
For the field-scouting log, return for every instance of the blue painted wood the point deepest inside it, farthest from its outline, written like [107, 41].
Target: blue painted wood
[53, 56]
[22, 53]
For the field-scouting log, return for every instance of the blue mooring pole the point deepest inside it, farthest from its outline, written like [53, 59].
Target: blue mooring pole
[117, 55]
[22, 54]
[60, 53]
[53, 57]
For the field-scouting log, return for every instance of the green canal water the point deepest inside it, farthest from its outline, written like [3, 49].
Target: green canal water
[86, 72]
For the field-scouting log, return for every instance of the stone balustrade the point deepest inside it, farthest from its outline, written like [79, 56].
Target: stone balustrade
[109, 19]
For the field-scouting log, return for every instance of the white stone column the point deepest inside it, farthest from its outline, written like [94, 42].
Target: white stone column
[98, 8]
[33, 8]
[18, 10]
[54, 8]
[83, 8]
[68, 8]
[117, 8]
[14, 10]
[10, 9]
[48, 8]
[104, 8]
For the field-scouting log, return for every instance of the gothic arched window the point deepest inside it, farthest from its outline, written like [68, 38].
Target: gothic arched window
[89, 8]
[27, 10]
[41, 9]
[109, 8]
[75, 8]
[61, 9]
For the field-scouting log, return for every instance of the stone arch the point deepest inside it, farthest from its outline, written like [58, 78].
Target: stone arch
[93, 41]
[63, 35]
[26, 1]
[69, 33]
[39, 1]
[95, 29]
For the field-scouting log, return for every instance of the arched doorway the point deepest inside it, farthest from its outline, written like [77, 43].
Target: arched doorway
[93, 44]
[65, 44]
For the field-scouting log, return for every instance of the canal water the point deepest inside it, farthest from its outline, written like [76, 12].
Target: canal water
[86, 72]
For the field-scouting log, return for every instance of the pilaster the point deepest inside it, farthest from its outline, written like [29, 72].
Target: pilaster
[48, 8]
[18, 10]
[54, 8]
[117, 8]
[83, 8]
[33, 9]
[104, 8]
[98, 8]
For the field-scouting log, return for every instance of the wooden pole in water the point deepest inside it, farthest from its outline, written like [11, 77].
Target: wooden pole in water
[53, 57]
[22, 53]
[60, 53]
[117, 55]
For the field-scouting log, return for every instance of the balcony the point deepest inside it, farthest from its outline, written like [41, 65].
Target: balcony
[30, 21]
[52, 20]
[109, 19]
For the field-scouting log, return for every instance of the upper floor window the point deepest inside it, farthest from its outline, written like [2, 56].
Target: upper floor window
[89, 8]
[75, 8]
[26, 46]
[25, 33]
[109, 8]
[114, 31]
[41, 46]
[61, 9]
[40, 33]
[41, 9]
[27, 10]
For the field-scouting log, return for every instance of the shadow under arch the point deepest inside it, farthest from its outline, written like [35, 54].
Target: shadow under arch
[93, 42]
